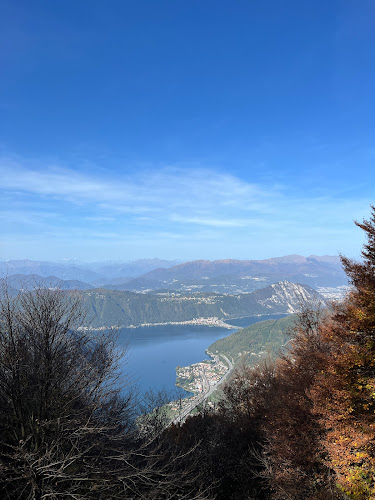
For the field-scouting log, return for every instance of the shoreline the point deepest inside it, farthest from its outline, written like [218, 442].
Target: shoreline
[198, 377]
[211, 322]
[205, 382]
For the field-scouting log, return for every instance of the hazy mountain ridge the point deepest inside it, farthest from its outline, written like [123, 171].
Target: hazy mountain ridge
[235, 276]
[220, 276]
[45, 269]
[118, 308]
[158, 273]
[31, 281]
[131, 269]
[96, 272]
[288, 264]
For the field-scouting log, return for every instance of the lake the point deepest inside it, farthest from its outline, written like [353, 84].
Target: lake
[154, 352]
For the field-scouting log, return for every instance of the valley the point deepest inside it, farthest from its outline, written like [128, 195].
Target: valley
[155, 300]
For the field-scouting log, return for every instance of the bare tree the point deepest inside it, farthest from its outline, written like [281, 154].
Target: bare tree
[66, 424]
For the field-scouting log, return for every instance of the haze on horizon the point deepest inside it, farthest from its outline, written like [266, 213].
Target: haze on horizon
[185, 130]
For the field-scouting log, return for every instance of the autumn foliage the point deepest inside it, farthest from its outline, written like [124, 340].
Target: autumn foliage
[322, 427]
[344, 392]
[302, 427]
[298, 428]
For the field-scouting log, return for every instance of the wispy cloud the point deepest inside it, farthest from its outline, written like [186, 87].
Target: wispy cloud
[167, 190]
[212, 222]
[166, 212]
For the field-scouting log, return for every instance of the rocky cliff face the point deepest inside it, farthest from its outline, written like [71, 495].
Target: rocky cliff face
[288, 296]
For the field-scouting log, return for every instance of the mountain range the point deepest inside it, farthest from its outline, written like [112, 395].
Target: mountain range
[108, 308]
[23, 282]
[239, 276]
[146, 275]
[96, 273]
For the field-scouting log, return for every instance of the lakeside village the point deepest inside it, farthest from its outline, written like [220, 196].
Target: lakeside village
[200, 376]
[200, 379]
[211, 321]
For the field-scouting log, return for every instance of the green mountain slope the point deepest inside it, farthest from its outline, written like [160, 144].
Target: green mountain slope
[251, 343]
[118, 308]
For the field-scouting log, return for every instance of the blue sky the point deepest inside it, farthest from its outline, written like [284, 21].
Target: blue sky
[185, 129]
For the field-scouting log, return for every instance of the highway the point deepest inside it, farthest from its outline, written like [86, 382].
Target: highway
[207, 390]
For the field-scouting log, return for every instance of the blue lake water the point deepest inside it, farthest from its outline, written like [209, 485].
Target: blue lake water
[154, 352]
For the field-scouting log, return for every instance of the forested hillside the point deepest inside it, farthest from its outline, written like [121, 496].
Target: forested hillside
[115, 308]
[266, 337]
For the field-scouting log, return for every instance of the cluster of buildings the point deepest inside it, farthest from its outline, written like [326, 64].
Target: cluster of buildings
[200, 377]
